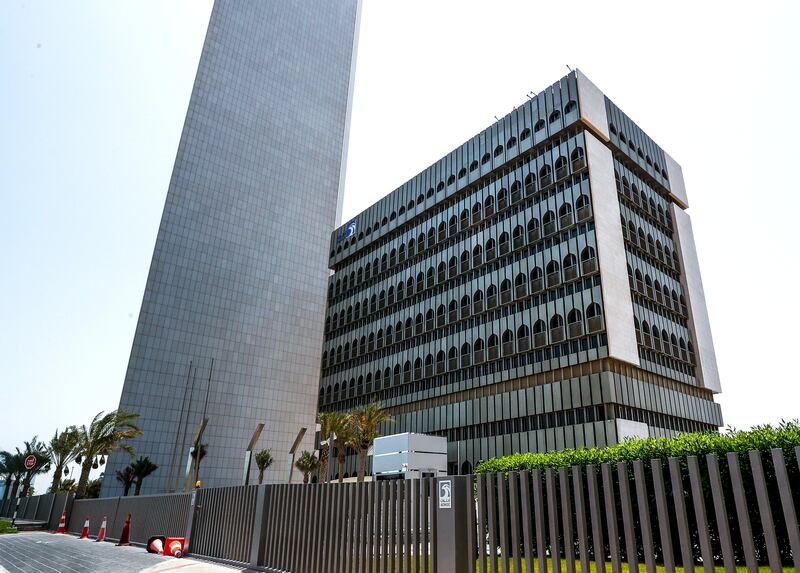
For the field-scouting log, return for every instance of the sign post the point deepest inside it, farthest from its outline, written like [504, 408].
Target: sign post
[453, 495]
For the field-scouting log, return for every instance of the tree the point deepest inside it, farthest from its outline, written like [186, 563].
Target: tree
[14, 465]
[329, 423]
[38, 450]
[198, 453]
[365, 422]
[140, 469]
[67, 485]
[93, 488]
[263, 461]
[345, 437]
[306, 463]
[61, 450]
[105, 434]
[126, 478]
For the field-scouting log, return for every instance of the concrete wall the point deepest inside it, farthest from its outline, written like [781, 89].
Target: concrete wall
[592, 106]
[618, 306]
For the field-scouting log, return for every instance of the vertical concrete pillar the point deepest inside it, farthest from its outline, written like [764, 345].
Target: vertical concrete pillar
[259, 533]
[452, 514]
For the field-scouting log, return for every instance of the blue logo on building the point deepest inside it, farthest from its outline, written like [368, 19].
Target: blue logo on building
[349, 231]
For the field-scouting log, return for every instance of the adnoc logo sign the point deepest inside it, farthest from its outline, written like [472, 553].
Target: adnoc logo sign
[347, 232]
[445, 494]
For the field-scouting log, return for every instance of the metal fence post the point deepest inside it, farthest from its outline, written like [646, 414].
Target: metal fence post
[193, 498]
[259, 531]
[451, 516]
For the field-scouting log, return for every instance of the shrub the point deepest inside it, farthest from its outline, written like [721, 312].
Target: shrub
[785, 436]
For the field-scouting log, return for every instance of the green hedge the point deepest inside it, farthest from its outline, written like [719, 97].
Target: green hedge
[785, 436]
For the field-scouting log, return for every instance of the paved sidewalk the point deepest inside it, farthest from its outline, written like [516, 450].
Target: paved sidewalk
[48, 553]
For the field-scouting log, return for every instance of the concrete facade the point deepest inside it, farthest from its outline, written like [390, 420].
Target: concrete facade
[526, 292]
[239, 270]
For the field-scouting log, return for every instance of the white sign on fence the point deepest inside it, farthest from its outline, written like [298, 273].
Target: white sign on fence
[445, 494]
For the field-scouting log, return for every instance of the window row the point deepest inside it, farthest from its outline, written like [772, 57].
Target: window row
[654, 290]
[403, 331]
[547, 175]
[635, 150]
[551, 223]
[662, 341]
[552, 274]
[647, 244]
[558, 329]
[644, 201]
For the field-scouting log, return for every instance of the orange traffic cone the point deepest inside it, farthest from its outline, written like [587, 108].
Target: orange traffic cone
[85, 530]
[175, 546]
[125, 538]
[156, 544]
[62, 523]
[101, 535]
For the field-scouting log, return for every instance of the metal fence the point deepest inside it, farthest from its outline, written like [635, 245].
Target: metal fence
[736, 510]
[688, 511]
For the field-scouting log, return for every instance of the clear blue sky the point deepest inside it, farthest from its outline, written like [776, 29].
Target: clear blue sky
[92, 101]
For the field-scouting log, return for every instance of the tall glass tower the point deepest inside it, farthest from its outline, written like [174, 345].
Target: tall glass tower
[231, 325]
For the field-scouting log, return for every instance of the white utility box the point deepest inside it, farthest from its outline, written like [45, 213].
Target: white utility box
[409, 456]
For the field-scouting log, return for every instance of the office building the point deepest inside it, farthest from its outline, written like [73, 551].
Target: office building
[536, 289]
[239, 271]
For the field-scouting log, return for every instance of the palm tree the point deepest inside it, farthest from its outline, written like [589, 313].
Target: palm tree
[198, 453]
[329, 424]
[125, 477]
[93, 488]
[4, 472]
[105, 434]
[61, 450]
[263, 461]
[365, 421]
[345, 437]
[140, 469]
[306, 463]
[67, 485]
[38, 450]
[14, 468]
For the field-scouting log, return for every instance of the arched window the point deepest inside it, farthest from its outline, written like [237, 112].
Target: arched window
[520, 285]
[575, 323]
[534, 232]
[684, 354]
[462, 173]
[486, 159]
[452, 311]
[536, 279]
[516, 192]
[518, 237]
[453, 225]
[378, 380]
[489, 205]
[476, 213]
[539, 126]
[465, 306]
[502, 199]
[570, 267]
[523, 338]
[384, 262]
[390, 296]
[553, 274]
[477, 301]
[417, 368]
[578, 159]
[479, 350]
[382, 299]
[648, 285]
[561, 167]
[554, 117]
[430, 277]
[570, 107]
[491, 252]
[440, 186]
[549, 222]
[588, 260]
[452, 267]
[505, 291]
[477, 255]
[464, 261]
[508, 343]
[396, 380]
[498, 150]
[545, 175]
[494, 347]
[557, 328]
[565, 215]
[491, 296]
[440, 315]
[442, 231]
[401, 252]
[452, 359]
[441, 272]
[530, 184]
[466, 354]
[637, 274]
[400, 290]
[505, 243]
[646, 334]
[409, 330]
[582, 206]
[362, 347]
[594, 317]
[451, 179]
[429, 320]
[429, 365]
[539, 333]
[464, 219]
[407, 371]
[371, 340]
[511, 142]
[526, 133]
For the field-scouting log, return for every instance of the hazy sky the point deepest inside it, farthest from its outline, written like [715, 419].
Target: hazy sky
[93, 97]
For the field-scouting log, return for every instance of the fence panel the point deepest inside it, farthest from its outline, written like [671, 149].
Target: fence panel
[151, 515]
[94, 510]
[42, 512]
[223, 526]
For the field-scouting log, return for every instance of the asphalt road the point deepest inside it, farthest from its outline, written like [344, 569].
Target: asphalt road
[50, 553]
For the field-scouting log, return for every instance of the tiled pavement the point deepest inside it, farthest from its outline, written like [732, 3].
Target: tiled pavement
[49, 553]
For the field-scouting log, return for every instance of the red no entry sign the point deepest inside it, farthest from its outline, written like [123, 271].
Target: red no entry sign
[30, 462]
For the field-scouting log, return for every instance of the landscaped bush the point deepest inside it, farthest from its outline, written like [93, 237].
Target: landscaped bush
[785, 436]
